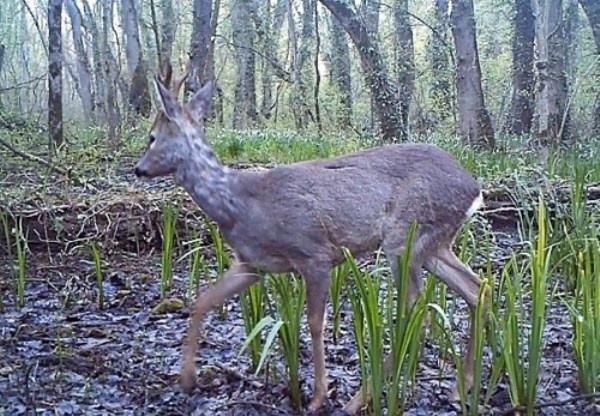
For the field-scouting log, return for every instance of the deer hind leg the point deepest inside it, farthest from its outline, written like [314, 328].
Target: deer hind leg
[317, 291]
[460, 278]
[238, 278]
[415, 284]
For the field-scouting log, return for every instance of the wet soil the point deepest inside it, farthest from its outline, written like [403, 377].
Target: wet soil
[63, 354]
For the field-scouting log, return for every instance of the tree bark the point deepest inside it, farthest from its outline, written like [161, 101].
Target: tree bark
[592, 12]
[475, 125]
[55, 116]
[167, 31]
[405, 61]
[84, 73]
[522, 68]
[551, 91]
[200, 44]
[113, 113]
[386, 103]
[341, 65]
[99, 81]
[439, 59]
[139, 94]
[301, 76]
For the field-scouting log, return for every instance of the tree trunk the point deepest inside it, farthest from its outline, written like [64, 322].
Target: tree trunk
[84, 75]
[474, 121]
[405, 61]
[167, 32]
[245, 110]
[592, 12]
[200, 44]
[139, 94]
[386, 102]
[439, 59]
[551, 91]
[301, 75]
[522, 68]
[341, 65]
[90, 23]
[113, 113]
[55, 116]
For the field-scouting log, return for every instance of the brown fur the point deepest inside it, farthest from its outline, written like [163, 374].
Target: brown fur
[298, 217]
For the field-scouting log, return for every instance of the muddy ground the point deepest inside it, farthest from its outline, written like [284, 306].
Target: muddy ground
[62, 354]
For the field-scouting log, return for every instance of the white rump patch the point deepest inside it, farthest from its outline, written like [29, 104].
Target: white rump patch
[477, 203]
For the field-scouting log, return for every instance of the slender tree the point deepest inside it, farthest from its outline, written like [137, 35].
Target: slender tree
[592, 12]
[405, 60]
[340, 69]
[55, 115]
[387, 107]
[522, 68]
[474, 121]
[438, 47]
[551, 92]
[200, 43]
[84, 71]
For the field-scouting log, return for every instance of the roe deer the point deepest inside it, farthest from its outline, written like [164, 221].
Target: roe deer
[298, 217]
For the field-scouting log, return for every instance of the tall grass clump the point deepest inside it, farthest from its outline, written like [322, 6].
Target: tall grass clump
[98, 273]
[289, 296]
[405, 323]
[521, 337]
[21, 245]
[253, 302]
[338, 281]
[168, 228]
[380, 316]
[221, 257]
[585, 317]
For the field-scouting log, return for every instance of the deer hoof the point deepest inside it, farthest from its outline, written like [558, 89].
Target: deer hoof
[188, 380]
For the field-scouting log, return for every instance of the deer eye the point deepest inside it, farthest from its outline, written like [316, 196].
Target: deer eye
[152, 139]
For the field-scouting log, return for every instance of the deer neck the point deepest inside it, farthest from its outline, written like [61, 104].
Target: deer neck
[209, 183]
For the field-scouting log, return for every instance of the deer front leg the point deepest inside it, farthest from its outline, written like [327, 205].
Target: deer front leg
[317, 290]
[238, 278]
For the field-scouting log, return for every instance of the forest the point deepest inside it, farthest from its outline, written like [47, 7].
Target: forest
[132, 130]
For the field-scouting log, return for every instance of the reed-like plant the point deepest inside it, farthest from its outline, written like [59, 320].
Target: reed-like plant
[21, 245]
[169, 228]
[338, 280]
[98, 273]
[269, 343]
[290, 296]
[585, 317]
[221, 257]
[369, 324]
[253, 303]
[522, 341]
[405, 325]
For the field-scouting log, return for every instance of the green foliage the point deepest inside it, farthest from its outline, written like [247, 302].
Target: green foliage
[254, 302]
[522, 331]
[338, 281]
[169, 229]
[98, 273]
[290, 296]
[585, 313]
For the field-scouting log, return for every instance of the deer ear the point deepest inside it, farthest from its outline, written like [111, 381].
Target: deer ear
[168, 103]
[199, 103]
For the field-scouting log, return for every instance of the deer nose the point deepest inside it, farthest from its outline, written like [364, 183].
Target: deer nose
[138, 172]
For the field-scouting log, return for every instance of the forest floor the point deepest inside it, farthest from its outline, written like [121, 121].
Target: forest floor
[62, 354]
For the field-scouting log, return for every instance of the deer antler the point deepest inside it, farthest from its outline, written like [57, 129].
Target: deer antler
[165, 73]
[178, 82]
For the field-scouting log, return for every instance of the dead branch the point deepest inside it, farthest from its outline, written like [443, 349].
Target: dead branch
[34, 158]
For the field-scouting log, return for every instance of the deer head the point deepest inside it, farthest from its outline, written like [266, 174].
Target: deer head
[175, 127]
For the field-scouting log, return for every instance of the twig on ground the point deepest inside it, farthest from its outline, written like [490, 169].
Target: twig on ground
[554, 403]
[34, 158]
